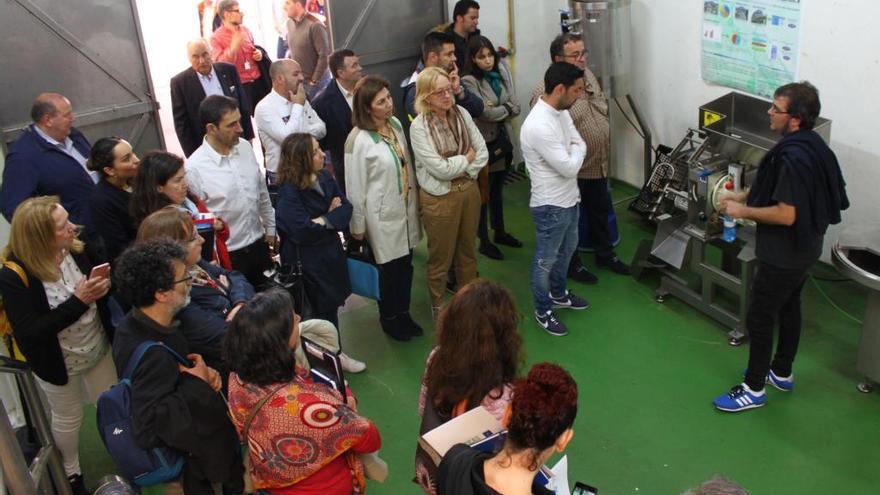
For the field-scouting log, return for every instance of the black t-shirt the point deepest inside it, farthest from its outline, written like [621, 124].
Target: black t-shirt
[461, 473]
[778, 245]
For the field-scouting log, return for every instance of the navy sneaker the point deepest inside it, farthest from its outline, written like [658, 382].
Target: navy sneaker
[570, 301]
[740, 398]
[785, 384]
[551, 324]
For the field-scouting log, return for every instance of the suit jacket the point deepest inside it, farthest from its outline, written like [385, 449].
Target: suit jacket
[331, 106]
[186, 95]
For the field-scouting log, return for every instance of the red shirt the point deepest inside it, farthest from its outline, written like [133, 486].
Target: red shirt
[243, 59]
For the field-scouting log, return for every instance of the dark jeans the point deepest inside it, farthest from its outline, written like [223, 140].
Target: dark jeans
[251, 261]
[250, 89]
[594, 204]
[281, 48]
[776, 295]
[495, 208]
[395, 284]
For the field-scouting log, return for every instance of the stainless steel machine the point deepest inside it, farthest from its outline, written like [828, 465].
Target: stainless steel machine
[856, 254]
[682, 195]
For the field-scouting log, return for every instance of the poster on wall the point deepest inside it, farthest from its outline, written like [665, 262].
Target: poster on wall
[752, 46]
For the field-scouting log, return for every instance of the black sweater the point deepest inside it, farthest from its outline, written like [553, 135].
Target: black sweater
[36, 327]
[109, 218]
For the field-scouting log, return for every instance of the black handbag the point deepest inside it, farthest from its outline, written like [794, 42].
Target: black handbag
[292, 279]
[500, 147]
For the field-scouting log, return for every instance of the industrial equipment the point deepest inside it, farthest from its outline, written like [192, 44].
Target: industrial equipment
[682, 195]
[856, 254]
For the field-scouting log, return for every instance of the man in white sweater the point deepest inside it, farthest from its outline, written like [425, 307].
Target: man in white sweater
[554, 151]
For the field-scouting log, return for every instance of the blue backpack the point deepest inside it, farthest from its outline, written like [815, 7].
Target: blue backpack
[144, 467]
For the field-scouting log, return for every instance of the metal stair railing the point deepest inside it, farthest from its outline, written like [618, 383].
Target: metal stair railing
[45, 474]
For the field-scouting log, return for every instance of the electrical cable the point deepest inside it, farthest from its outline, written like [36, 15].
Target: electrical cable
[633, 125]
[832, 303]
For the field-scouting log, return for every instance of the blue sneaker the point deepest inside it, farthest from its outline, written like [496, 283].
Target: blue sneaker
[785, 384]
[570, 301]
[551, 324]
[740, 398]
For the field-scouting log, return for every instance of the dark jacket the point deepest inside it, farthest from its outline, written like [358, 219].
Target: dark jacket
[332, 108]
[203, 321]
[34, 167]
[461, 473]
[36, 327]
[186, 96]
[173, 408]
[323, 259]
[109, 218]
[461, 45]
[469, 101]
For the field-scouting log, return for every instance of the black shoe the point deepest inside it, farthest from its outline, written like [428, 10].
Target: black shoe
[505, 239]
[414, 329]
[451, 287]
[614, 264]
[394, 328]
[582, 275]
[490, 250]
[78, 485]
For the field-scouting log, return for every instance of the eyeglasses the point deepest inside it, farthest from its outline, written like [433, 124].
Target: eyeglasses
[186, 279]
[577, 55]
[776, 110]
[442, 91]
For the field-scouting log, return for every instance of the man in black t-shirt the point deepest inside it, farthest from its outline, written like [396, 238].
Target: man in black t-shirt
[797, 193]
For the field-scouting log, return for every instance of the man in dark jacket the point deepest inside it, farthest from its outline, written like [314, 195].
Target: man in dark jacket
[465, 19]
[49, 159]
[334, 105]
[171, 404]
[798, 191]
[438, 50]
[202, 79]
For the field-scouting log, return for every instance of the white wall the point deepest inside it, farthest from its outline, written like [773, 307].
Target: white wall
[838, 55]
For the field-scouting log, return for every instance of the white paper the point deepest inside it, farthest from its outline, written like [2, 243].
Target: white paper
[560, 476]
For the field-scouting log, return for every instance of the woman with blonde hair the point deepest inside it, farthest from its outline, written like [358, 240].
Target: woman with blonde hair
[449, 152]
[381, 185]
[59, 317]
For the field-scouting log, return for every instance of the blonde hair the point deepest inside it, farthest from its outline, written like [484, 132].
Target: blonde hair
[169, 221]
[425, 86]
[32, 237]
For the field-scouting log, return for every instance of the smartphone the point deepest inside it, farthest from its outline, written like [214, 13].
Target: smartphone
[584, 489]
[102, 270]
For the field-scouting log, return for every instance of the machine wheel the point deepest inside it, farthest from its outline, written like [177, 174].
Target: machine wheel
[660, 298]
[736, 341]
[865, 387]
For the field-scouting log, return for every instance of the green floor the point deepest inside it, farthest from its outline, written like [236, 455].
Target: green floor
[647, 374]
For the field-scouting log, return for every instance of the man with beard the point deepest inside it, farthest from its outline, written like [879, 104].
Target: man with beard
[798, 191]
[171, 404]
[224, 173]
[554, 151]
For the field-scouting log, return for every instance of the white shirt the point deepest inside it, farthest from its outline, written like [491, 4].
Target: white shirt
[210, 83]
[277, 117]
[234, 189]
[349, 96]
[553, 151]
[68, 148]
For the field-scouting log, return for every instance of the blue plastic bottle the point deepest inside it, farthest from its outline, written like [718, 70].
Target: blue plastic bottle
[729, 234]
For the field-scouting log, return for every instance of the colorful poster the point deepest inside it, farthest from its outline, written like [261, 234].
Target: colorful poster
[752, 46]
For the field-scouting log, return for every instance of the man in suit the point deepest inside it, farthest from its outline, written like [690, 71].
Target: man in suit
[202, 79]
[334, 104]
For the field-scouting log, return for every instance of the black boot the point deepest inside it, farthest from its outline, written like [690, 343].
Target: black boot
[490, 250]
[505, 239]
[395, 328]
[78, 485]
[414, 329]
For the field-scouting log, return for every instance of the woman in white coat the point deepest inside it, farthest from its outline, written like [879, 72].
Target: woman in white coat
[449, 152]
[381, 186]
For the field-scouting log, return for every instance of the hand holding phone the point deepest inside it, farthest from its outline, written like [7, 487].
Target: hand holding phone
[100, 271]
[584, 489]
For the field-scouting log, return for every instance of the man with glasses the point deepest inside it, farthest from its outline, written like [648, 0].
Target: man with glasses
[233, 43]
[204, 78]
[798, 191]
[590, 115]
[171, 404]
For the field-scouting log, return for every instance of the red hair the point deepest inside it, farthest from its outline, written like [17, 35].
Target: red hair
[544, 406]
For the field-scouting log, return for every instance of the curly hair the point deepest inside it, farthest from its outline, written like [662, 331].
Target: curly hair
[479, 347]
[155, 169]
[256, 347]
[146, 268]
[544, 406]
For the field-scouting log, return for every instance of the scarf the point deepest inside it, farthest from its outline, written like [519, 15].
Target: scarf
[494, 79]
[450, 138]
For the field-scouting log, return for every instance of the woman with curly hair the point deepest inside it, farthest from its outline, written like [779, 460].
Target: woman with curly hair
[478, 355]
[303, 437]
[540, 424]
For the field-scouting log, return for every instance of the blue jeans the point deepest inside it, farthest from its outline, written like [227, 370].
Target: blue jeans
[312, 90]
[555, 241]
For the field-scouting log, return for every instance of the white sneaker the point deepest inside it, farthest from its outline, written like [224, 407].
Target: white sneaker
[350, 364]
